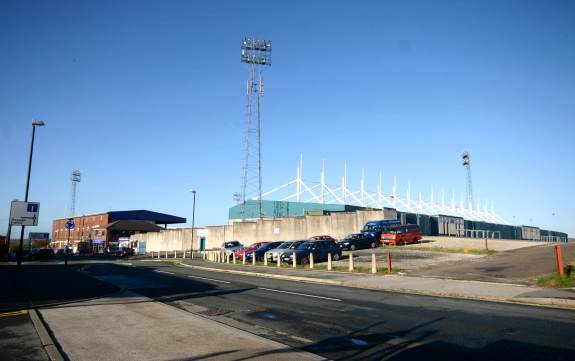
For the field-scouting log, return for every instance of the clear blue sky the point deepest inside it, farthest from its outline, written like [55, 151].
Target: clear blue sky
[147, 99]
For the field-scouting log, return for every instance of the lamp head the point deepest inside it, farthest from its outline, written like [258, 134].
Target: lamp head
[37, 123]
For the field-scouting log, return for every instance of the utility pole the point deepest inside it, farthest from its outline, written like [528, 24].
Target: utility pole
[35, 123]
[193, 221]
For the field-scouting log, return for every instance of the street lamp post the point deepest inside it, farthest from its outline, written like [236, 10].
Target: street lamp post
[35, 123]
[193, 221]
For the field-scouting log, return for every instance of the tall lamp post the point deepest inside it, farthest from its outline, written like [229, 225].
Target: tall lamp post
[35, 123]
[193, 221]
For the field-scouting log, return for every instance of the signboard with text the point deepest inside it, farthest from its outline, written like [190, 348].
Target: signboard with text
[24, 213]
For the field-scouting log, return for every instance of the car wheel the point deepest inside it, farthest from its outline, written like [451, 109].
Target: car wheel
[304, 260]
[352, 247]
[336, 256]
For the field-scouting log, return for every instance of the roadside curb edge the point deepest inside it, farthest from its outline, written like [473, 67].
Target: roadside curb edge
[47, 341]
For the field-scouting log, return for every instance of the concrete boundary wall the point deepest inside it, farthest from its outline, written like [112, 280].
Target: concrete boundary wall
[337, 225]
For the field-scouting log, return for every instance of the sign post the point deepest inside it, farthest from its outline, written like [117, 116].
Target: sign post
[23, 214]
[69, 225]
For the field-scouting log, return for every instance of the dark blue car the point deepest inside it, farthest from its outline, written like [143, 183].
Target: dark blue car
[260, 252]
[320, 250]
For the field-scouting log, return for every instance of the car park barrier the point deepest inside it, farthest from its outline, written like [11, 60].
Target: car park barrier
[351, 261]
[294, 260]
[373, 264]
[329, 261]
[311, 260]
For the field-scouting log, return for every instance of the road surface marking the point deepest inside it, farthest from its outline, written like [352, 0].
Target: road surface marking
[300, 294]
[166, 272]
[13, 313]
[209, 279]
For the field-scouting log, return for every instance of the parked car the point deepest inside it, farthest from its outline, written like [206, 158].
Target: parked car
[358, 241]
[63, 251]
[320, 249]
[231, 246]
[126, 252]
[239, 254]
[42, 254]
[260, 252]
[282, 248]
[400, 235]
[323, 238]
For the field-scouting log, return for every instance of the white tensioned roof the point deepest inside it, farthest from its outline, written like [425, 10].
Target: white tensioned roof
[300, 190]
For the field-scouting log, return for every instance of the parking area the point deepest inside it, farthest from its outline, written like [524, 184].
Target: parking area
[402, 259]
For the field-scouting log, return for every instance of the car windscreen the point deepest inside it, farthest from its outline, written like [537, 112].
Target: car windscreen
[231, 244]
[307, 245]
[296, 244]
[284, 245]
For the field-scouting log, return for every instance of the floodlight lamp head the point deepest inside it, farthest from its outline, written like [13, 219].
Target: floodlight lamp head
[255, 51]
[465, 157]
[37, 123]
[76, 176]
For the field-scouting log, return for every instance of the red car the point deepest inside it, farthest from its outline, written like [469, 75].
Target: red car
[239, 254]
[323, 238]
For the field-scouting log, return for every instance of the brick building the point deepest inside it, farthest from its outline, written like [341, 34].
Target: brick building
[102, 229]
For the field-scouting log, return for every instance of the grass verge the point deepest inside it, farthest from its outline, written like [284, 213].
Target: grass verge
[555, 281]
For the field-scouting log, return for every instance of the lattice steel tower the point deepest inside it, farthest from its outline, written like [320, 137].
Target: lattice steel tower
[466, 164]
[257, 54]
[75, 179]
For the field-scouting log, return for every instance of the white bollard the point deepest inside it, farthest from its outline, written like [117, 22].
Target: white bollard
[280, 259]
[166, 254]
[184, 254]
[175, 253]
[329, 261]
[244, 258]
[373, 264]
[294, 260]
[254, 258]
[351, 261]
[191, 254]
[311, 260]
[265, 259]
[234, 257]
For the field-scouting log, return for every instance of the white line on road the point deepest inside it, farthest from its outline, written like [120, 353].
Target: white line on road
[209, 279]
[170, 273]
[300, 294]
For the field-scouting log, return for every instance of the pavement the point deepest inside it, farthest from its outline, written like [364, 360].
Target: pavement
[93, 319]
[441, 287]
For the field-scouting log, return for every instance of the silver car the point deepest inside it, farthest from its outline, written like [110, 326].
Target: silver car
[282, 248]
[231, 246]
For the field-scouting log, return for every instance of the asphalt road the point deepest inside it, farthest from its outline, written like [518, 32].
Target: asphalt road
[344, 323]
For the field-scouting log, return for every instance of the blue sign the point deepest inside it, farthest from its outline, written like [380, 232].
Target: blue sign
[70, 224]
[32, 208]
